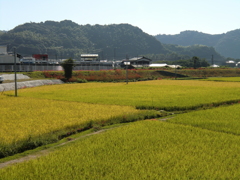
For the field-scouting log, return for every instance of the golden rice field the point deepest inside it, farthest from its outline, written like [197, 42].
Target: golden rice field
[161, 94]
[141, 150]
[222, 119]
[197, 145]
[26, 119]
[223, 79]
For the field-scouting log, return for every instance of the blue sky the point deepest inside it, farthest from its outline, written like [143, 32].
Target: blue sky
[152, 16]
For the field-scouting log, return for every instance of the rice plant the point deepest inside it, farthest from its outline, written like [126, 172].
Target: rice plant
[158, 94]
[141, 150]
[26, 123]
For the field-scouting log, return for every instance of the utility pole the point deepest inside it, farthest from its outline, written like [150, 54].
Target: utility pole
[212, 61]
[114, 54]
[15, 73]
[102, 56]
[127, 63]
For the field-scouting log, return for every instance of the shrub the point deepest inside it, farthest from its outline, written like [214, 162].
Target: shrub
[68, 67]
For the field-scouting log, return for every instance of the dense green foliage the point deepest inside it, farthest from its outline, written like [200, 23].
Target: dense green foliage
[68, 65]
[226, 44]
[68, 39]
[178, 52]
[2, 32]
[189, 62]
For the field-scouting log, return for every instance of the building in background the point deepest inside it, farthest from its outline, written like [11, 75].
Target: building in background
[40, 58]
[137, 62]
[5, 57]
[3, 50]
[230, 63]
[89, 57]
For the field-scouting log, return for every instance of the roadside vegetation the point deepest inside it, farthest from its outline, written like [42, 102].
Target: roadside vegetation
[119, 75]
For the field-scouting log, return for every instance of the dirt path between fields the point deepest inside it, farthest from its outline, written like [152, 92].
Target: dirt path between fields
[164, 119]
[45, 151]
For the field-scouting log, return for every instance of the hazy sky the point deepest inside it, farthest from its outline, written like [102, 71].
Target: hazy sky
[152, 16]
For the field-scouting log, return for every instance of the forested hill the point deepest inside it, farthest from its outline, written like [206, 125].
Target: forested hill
[227, 44]
[2, 32]
[72, 39]
[67, 39]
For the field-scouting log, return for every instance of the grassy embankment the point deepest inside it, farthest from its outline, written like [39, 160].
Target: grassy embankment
[139, 74]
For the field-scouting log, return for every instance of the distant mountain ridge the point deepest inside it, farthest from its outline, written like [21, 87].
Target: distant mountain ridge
[116, 41]
[227, 44]
[72, 39]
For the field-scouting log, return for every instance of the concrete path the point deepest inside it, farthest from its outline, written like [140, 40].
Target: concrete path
[25, 84]
[12, 76]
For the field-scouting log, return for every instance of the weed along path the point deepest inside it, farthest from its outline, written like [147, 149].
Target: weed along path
[46, 151]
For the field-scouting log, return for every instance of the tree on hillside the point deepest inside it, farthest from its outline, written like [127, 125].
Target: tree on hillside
[194, 62]
[68, 65]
